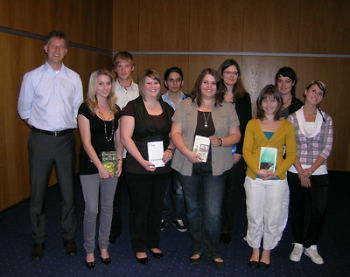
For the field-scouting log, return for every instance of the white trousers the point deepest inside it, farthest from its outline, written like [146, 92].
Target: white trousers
[264, 204]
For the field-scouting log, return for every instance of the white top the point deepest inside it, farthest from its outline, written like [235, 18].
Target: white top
[123, 95]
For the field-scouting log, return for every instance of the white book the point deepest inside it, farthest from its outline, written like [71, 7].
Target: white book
[155, 153]
[201, 147]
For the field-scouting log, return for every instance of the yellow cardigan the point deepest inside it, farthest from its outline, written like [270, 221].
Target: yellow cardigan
[255, 139]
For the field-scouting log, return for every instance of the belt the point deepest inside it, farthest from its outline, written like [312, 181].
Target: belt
[56, 133]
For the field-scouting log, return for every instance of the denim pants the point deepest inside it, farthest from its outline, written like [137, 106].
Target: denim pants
[173, 204]
[203, 196]
[318, 193]
[94, 188]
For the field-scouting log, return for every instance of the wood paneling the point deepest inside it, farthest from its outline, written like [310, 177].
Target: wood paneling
[126, 25]
[164, 26]
[324, 27]
[271, 26]
[85, 22]
[216, 25]
[332, 72]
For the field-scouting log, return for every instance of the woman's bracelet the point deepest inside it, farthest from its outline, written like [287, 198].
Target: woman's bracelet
[120, 160]
[171, 150]
[220, 141]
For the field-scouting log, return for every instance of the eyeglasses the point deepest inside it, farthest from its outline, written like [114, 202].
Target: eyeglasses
[228, 73]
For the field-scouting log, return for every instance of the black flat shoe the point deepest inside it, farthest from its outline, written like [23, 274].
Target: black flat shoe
[218, 264]
[156, 255]
[253, 264]
[263, 265]
[106, 260]
[142, 260]
[197, 260]
[225, 238]
[90, 265]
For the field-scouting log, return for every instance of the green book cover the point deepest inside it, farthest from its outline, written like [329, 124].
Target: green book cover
[110, 161]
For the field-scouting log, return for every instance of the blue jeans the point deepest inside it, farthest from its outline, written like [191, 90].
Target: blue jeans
[203, 195]
[173, 204]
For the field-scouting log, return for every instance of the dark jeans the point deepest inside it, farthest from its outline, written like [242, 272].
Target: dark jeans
[146, 211]
[173, 204]
[233, 190]
[117, 224]
[203, 195]
[318, 193]
[46, 151]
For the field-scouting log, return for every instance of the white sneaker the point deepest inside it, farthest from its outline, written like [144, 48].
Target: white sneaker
[297, 252]
[313, 254]
[179, 224]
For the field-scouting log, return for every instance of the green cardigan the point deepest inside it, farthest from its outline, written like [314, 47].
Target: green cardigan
[255, 139]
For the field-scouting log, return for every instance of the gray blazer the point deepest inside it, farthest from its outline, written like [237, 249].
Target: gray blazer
[224, 118]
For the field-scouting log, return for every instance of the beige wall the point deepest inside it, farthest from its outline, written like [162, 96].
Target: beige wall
[140, 26]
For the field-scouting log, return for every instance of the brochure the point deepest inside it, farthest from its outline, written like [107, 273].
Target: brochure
[201, 147]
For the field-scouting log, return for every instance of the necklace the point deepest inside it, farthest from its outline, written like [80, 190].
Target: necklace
[206, 119]
[104, 123]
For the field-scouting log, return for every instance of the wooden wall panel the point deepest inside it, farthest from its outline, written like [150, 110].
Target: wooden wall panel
[324, 27]
[125, 25]
[271, 26]
[216, 25]
[164, 26]
[85, 22]
[332, 72]
[258, 71]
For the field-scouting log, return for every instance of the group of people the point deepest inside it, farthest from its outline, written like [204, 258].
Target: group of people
[193, 152]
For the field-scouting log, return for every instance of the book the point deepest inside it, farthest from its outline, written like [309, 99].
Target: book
[201, 147]
[110, 161]
[268, 158]
[155, 153]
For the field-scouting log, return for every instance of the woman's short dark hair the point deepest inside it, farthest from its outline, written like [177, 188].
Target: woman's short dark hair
[267, 91]
[290, 73]
[196, 91]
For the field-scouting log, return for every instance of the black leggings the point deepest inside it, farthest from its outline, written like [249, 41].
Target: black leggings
[318, 193]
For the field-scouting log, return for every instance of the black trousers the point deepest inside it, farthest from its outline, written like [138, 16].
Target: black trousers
[318, 194]
[117, 224]
[45, 152]
[146, 211]
[233, 190]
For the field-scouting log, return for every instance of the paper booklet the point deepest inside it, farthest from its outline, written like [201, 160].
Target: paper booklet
[110, 161]
[268, 158]
[201, 147]
[155, 153]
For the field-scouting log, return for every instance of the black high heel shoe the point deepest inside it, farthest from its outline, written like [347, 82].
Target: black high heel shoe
[90, 265]
[141, 260]
[156, 255]
[106, 260]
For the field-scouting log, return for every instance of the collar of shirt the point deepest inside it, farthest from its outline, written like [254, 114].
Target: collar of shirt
[167, 99]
